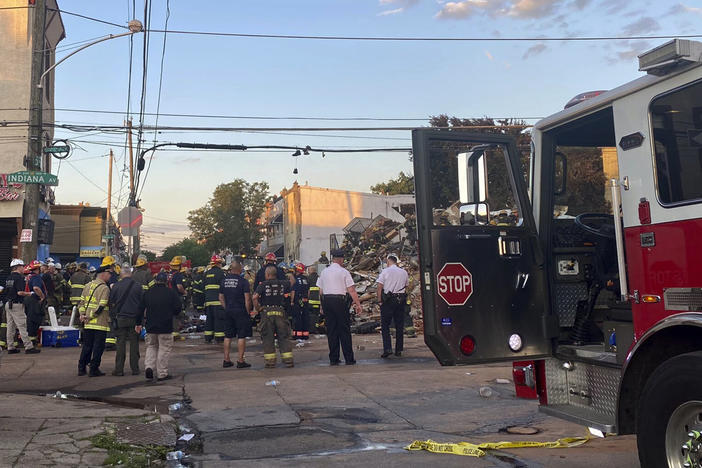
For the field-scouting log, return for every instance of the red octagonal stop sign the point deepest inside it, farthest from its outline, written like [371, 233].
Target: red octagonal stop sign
[455, 284]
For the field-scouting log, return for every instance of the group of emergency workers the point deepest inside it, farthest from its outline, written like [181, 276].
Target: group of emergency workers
[282, 304]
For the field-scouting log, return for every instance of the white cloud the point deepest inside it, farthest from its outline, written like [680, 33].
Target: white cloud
[520, 9]
[536, 49]
[684, 9]
[391, 12]
[401, 5]
[462, 9]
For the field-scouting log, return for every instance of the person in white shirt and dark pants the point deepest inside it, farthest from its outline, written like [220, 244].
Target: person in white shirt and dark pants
[335, 283]
[392, 295]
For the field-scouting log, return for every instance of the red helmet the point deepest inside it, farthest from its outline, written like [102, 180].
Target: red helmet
[270, 257]
[299, 267]
[34, 264]
[216, 259]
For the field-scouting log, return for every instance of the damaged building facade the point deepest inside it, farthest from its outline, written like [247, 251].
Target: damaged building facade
[306, 220]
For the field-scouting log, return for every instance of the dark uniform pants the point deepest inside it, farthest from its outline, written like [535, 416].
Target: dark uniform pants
[35, 315]
[338, 322]
[93, 343]
[211, 312]
[301, 321]
[126, 333]
[274, 324]
[393, 310]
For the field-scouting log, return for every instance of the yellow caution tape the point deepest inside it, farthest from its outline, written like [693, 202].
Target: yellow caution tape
[478, 450]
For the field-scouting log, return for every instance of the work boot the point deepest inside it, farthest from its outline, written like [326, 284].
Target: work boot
[136, 372]
[13, 351]
[149, 373]
[96, 373]
[398, 353]
[270, 364]
[242, 364]
[166, 377]
[227, 364]
[289, 363]
[386, 354]
[117, 373]
[81, 371]
[32, 351]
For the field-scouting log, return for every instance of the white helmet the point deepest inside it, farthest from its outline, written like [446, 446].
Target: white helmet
[15, 262]
[49, 260]
[58, 266]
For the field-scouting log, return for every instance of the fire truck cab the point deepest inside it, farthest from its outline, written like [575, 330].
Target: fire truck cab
[583, 259]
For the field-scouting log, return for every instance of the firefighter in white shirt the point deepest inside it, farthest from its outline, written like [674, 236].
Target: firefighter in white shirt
[392, 295]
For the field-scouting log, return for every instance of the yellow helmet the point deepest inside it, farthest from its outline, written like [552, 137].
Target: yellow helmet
[141, 260]
[108, 261]
[176, 261]
[200, 269]
[118, 269]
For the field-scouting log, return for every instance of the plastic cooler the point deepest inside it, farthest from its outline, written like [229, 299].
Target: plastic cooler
[59, 336]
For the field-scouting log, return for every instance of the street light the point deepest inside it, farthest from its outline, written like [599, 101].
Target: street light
[134, 26]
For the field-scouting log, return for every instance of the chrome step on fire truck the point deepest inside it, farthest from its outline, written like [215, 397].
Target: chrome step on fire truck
[583, 260]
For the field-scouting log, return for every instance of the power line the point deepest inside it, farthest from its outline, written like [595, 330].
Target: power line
[89, 128]
[389, 38]
[160, 85]
[428, 39]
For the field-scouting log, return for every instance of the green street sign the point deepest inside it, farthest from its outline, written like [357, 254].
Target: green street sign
[27, 177]
[108, 237]
[57, 149]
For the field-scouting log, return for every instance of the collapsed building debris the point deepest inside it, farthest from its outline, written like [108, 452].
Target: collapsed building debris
[367, 245]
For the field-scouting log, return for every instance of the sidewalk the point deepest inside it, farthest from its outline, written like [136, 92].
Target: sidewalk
[50, 431]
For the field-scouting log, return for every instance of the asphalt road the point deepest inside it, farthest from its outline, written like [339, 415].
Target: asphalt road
[320, 415]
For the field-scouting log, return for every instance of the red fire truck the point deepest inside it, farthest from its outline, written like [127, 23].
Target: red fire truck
[583, 261]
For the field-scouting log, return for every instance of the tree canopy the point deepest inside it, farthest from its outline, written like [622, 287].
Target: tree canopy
[403, 184]
[229, 220]
[150, 256]
[198, 254]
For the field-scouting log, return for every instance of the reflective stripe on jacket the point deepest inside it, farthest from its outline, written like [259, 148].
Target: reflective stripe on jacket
[77, 283]
[213, 278]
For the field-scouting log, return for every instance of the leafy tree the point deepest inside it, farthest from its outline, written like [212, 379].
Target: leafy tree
[198, 254]
[150, 256]
[403, 184]
[229, 220]
[444, 164]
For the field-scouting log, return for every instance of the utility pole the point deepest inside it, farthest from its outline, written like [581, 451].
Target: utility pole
[109, 204]
[30, 211]
[130, 251]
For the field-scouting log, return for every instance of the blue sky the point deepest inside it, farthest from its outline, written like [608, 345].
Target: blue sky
[272, 77]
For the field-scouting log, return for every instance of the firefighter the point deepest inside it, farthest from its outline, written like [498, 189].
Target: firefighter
[95, 316]
[261, 274]
[392, 296]
[14, 309]
[336, 285]
[198, 291]
[60, 286]
[235, 297]
[270, 300]
[176, 282]
[34, 301]
[142, 274]
[77, 282]
[213, 308]
[323, 258]
[300, 308]
[249, 276]
[114, 270]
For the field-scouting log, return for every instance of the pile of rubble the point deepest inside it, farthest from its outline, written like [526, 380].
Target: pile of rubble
[366, 254]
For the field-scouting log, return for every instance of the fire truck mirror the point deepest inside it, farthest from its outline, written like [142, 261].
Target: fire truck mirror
[473, 214]
[472, 176]
[560, 173]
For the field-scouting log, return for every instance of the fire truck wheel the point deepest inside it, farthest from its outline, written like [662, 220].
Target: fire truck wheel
[669, 423]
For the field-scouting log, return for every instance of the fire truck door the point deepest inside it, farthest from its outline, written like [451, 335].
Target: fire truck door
[484, 287]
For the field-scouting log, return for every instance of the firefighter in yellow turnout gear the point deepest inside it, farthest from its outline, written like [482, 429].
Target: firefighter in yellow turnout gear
[95, 316]
[176, 282]
[142, 275]
[270, 299]
[213, 308]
